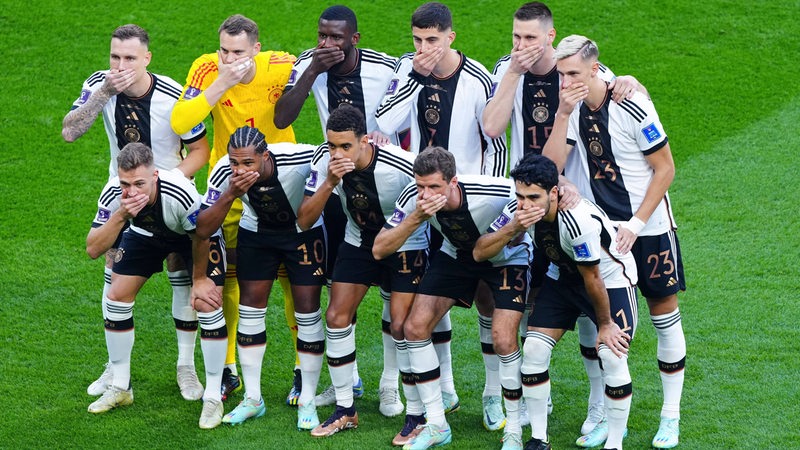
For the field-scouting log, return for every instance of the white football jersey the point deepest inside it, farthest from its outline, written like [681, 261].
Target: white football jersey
[482, 201]
[448, 113]
[368, 195]
[583, 235]
[534, 110]
[145, 119]
[271, 205]
[363, 88]
[172, 216]
[608, 162]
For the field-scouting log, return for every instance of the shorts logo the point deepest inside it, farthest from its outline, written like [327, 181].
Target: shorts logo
[392, 86]
[582, 251]
[500, 221]
[292, 77]
[651, 133]
[197, 128]
[103, 215]
[193, 217]
[85, 94]
[312, 179]
[397, 217]
[212, 196]
[191, 93]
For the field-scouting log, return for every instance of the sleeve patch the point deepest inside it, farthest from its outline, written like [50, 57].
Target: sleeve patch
[212, 196]
[582, 251]
[103, 215]
[191, 92]
[198, 128]
[293, 77]
[193, 217]
[651, 133]
[397, 217]
[312, 179]
[500, 221]
[85, 94]
[390, 90]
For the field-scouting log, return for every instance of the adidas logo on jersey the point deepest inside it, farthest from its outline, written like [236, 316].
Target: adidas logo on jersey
[434, 98]
[132, 116]
[540, 94]
[228, 103]
[344, 91]
[216, 272]
[319, 272]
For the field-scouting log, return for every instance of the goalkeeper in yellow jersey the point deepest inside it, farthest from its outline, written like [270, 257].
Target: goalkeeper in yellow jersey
[238, 85]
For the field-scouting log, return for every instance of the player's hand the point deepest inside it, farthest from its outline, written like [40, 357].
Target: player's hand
[627, 232]
[427, 207]
[570, 96]
[130, 206]
[524, 218]
[205, 295]
[623, 88]
[379, 139]
[523, 59]
[339, 166]
[118, 80]
[425, 62]
[231, 74]
[241, 181]
[324, 58]
[568, 197]
[614, 338]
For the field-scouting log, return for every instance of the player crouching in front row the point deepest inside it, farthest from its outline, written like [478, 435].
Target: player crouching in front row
[587, 275]
[161, 209]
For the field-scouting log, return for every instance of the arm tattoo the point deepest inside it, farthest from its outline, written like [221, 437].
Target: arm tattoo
[79, 120]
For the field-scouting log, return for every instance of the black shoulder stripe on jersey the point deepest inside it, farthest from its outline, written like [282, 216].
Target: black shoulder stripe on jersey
[474, 70]
[162, 86]
[319, 153]
[512, 206]
[633, 109]
[407, 194]
[109, 195]
[500, 62]
[303, 157]
[220, 174]
[500, 157]
[602, 67]
[175, 191]
[376, 58]
[407, 91]
[493, 190]
[96, 77]
[396, 161]
[571, 224]
[304, 56]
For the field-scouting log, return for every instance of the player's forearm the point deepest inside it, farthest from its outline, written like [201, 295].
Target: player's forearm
[311, 208]
[556, 147]
[291, 102]
[392, 113]
[101, 239]
[199, 153]
[78, 121]
[186, 114]
[663, 174]
[200, 248]
[497, 113]
[596, 289]
[490, 244]
[210, 219]
[389, 240]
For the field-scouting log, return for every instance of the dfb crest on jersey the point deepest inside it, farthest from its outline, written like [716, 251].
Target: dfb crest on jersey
[541, 114]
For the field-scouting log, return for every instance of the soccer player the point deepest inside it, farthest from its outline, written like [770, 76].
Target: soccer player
[587, 275]
[619, 156]
[337, 72]
[461, 208]
[443, 93]
[270, 181]
[161, 208]
[354, 168]
[136, 107]
[238, 85]
[527, 96]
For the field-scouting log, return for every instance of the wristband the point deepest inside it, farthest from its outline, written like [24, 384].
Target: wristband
[635, 225]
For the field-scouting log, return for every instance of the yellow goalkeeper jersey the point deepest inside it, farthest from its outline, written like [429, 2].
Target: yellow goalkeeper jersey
[250, 104]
